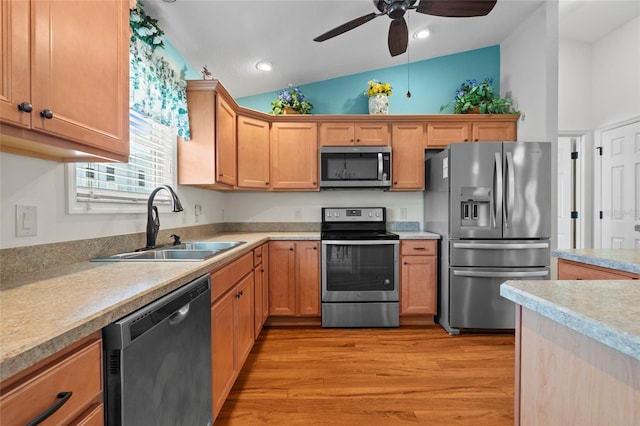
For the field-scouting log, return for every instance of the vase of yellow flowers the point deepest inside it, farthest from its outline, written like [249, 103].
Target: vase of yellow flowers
[378, 93]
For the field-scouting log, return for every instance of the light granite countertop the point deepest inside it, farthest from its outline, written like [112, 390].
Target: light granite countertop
[606, 311]
[44, 313]
[627, 260]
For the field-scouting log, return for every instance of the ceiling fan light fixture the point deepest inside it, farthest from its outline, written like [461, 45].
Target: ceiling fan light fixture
[422, 33]
[264, 66]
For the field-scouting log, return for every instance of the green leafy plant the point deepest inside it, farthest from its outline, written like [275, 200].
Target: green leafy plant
[378, 88]
[291, 97]
[472, 97]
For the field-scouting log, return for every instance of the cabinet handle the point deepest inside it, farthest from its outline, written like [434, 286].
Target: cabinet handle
[315, 248]
[405, 263]
[476, 140]
[266, 183]
[290, 248]
[25, 107]
[62, 397]
[261, 270]
[46, 113]
[395, 183]
[258, 255]
[419, 248]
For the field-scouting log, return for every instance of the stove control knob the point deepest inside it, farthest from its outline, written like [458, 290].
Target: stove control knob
[377, 214]
[336, 214]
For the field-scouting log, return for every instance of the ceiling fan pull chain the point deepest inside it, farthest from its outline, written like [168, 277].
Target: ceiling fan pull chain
[408, 60]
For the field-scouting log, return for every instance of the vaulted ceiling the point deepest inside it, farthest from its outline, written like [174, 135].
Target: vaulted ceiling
[230, 37]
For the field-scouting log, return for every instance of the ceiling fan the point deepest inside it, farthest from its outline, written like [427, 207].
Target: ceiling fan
[395, 9]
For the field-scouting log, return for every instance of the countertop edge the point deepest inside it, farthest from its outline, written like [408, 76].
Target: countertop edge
[601, 332]
[597, 260]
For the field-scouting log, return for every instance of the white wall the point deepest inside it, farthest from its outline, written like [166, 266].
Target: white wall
[574, 84]
[281, 207]
[615, 62]
[40, 183]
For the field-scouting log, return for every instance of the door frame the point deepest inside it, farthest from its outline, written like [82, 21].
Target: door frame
[581, 184]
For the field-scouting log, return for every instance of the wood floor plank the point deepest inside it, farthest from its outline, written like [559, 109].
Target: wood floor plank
[409, 375]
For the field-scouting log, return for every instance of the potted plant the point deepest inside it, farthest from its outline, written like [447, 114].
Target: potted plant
[474, 98]
[291, 101]
[378, 94]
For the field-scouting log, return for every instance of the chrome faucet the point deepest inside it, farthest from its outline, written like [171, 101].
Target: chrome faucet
[153, 221]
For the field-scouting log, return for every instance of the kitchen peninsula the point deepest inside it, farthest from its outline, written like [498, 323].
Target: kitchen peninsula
[577, 351]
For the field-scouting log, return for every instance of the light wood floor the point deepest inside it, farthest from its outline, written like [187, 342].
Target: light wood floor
[315, 376]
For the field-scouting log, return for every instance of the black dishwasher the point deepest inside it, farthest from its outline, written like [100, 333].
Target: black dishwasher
[158, 361]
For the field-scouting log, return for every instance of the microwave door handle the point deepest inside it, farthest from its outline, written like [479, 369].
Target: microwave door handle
[380, 166]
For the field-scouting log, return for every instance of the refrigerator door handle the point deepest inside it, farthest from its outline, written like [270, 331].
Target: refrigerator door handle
[497, 187]
[507, 246]
[510, 189]
[494, 274]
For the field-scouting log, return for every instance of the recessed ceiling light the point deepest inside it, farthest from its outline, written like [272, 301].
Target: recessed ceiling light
[264, 66]
[422, 33]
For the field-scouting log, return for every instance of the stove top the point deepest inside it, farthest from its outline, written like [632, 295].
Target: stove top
[355, 223]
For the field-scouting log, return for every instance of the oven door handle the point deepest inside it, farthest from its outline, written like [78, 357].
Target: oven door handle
[359, 242]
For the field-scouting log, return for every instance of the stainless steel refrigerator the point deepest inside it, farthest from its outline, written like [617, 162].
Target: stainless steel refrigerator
[491, 202]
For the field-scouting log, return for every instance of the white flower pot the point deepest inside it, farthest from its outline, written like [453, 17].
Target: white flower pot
[379, 104]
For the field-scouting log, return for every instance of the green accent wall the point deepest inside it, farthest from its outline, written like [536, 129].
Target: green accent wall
[433, 82]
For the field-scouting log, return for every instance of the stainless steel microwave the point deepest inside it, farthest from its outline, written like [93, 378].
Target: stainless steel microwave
[355, 167]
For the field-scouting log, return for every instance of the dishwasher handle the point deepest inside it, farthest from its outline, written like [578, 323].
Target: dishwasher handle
[179, 316]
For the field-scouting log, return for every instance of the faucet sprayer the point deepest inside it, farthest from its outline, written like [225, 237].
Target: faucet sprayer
[153, 220]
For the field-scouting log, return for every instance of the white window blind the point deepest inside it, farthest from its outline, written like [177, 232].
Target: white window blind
[111, 187]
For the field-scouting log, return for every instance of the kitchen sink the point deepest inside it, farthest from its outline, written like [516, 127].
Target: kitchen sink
[191, 251]
[210, 245]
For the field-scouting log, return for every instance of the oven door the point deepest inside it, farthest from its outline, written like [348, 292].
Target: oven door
[360, 271]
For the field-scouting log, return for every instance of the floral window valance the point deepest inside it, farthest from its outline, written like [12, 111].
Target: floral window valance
[155, 87]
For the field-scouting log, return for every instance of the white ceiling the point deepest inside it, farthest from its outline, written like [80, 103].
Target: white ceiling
[230, 37]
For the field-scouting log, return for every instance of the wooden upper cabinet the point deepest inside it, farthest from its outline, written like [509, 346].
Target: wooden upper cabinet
[359, 133]
[64, 82]
[294, 156]
[408, 141]
[493, 131]
[441, 134]
[253, 153]
[208, 159]
[226, 141]
[479, 129]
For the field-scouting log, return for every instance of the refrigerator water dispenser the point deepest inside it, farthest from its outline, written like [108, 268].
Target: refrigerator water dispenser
[475, 209]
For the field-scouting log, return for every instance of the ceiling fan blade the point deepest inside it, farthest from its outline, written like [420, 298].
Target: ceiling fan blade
[346, 27]
[398, 36]
[456, 8]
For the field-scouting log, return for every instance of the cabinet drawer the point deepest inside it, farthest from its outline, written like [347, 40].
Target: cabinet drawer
[418, 247]
[224, 278]
[79, 372]
[92, 417]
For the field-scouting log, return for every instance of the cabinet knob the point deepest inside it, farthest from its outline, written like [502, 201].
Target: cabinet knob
[290, 248]
[395, 183]
[25, 107]
[266, 183]
[46, 113]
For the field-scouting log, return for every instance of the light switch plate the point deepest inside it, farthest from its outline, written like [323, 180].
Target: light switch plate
[26, 221]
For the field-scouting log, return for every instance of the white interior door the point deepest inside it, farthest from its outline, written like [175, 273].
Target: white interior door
[620, 193]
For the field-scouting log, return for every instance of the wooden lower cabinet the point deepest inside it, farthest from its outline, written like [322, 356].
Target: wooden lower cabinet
[294, 278]
[76, 369]
[261, 287]
[570, 270]
[232, 325]
[418, 281]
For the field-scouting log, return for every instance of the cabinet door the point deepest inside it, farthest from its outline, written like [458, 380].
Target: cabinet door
[294, 156]
[257, 299]
[418, 285]
[337, 134]
[244, 319]
[493, 131]
[373, 134]
[80, 71]
[308, 277]
[14, 53]
[253, 153]
[226, 158]
[441, 134]
[408, 140]
[224, 368]
[282, 278]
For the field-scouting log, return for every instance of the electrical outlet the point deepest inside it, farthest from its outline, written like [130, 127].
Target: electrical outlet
[403, 213]
[297, 213]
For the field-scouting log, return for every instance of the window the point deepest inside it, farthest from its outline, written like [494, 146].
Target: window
[124, 187]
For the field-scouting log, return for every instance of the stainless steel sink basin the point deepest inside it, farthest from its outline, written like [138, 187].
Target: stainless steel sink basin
[191, 251]
[211, 245]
